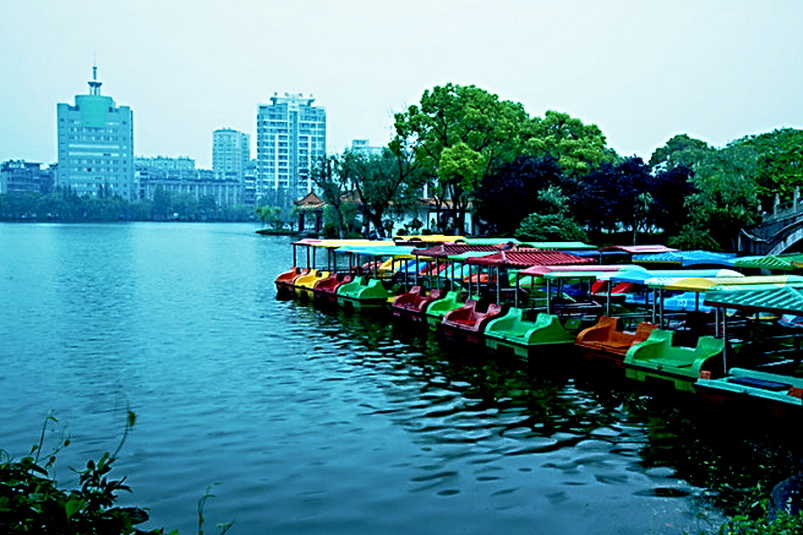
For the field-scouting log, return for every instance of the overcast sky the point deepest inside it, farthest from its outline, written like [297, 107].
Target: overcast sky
[642, 71]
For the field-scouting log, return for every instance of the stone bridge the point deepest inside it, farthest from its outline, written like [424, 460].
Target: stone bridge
[777, 232]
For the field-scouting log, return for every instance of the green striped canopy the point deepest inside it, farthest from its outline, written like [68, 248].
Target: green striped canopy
[758, 298]
[764, 262]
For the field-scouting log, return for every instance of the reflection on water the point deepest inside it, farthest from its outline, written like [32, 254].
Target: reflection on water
[317, 421]
[732, 458]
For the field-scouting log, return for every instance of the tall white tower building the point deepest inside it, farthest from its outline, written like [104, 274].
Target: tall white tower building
[231, 153]
[291, 140]
[96, 145]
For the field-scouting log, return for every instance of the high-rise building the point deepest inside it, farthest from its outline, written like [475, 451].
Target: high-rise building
[291, 140]
[96, 145]
[231, 153]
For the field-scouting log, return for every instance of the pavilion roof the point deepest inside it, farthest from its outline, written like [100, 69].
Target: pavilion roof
[309, 201]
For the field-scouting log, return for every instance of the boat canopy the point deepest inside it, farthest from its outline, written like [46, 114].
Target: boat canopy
[700, 284]
[573, 275]
[524, 258]
[637, 249]
[770, 262]
[437, 238]
[539, 271]
[449, 249]
[773, 298]
[387, 250]
[687, 258]
[559, 245]
[470, 254]
[334, 244]
[639, 277]
[487, 241]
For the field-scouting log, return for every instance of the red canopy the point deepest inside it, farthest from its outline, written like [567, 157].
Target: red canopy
[450, 249]
[528, 257]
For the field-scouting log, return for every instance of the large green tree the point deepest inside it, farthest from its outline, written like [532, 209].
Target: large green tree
[681, 150]
[779, 162]
[724, 194]
[458, 134]
[577, 147]
[725, 202]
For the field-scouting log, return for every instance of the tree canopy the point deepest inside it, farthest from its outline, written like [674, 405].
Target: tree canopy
[384, 182]
[779, 162]
[510, 192]
[576, 146]
[458, 134]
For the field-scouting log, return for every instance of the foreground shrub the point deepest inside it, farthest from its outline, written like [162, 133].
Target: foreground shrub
[783, 524]
[32, 502]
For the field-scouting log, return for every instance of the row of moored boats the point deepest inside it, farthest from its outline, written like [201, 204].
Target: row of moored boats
[719, 326]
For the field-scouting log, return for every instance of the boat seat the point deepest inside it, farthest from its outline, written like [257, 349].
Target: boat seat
[759, 383]
[668, 363]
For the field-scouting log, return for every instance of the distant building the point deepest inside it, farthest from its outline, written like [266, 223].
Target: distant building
[231, 153]
[361, 146]
[96, 145]
[19, 176]
[165, 162]
[291, 139]
[175, 176]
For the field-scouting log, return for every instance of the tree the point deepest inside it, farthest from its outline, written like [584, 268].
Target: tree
[681, 151]
[460, 171]
[577, 147]
[185, 205]
[207, 207]
[334, 186]
[726, 200]
[162, 204]
[553, 223]
[723, 187]
[670, 188]
[779, 161]
[510, 192]
[271, 216]
[615, 197]
[467, 132]
[390, 180]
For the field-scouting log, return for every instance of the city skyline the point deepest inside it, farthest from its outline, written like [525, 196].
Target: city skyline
[642, 72]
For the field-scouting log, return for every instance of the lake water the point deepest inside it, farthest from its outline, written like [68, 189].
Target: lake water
[303, 421]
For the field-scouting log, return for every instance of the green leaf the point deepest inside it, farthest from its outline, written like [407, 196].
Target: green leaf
[73, 505]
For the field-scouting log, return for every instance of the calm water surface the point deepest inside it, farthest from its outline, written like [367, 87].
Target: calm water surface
[306, 421]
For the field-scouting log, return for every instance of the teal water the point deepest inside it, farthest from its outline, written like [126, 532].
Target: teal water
[305, 421]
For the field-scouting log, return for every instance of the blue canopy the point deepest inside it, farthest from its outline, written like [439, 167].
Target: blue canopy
[638, 277]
